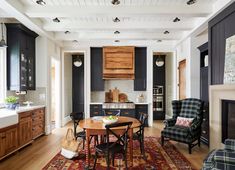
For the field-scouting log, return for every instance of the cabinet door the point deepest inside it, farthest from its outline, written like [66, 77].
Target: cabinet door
[11, 140]
[25, 130]
[2, 143]
[128, 112]
[95, 110]
[97, 82]
[140, 68]
[31, 62]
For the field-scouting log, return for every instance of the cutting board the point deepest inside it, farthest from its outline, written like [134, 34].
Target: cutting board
[115, 95]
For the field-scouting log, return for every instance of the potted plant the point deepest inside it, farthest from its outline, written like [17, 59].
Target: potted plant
[11, 102]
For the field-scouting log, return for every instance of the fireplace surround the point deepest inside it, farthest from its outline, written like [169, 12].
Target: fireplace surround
[217, 94]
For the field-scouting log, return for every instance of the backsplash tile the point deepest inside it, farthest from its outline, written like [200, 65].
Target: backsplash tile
[38, 97]
[125, 86]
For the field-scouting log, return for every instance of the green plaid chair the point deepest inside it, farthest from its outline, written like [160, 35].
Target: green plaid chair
[222, 159]
[188, 108]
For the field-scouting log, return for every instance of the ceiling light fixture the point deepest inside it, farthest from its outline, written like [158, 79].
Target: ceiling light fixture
[56, 20]
[2, 42]
[116, 19]
[67, 32]
[115, 2]
[77, 62]
[41, 2]
[166, 32]
[191, 2]
[116, 32]
[176, 19]
[117, 41]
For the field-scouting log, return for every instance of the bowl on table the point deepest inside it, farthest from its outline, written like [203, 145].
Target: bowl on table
[110, 119]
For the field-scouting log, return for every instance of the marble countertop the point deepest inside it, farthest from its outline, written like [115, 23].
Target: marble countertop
[10, 117]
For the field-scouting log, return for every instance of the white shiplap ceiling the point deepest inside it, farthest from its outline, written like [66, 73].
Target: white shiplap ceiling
[92, 20]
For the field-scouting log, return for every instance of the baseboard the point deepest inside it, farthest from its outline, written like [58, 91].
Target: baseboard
[66, 120]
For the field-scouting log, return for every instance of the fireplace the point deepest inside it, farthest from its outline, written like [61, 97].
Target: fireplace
[228, 119]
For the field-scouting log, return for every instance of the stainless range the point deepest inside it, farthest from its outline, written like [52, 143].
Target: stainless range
[127, 105]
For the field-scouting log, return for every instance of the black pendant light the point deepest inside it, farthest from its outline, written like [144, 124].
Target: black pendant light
[2, 42]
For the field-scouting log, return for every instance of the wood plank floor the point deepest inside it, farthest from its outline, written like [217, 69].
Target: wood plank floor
[37, 155]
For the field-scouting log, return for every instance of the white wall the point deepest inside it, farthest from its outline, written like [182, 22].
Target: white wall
[67, 85]
[188, 50]
[170, 82]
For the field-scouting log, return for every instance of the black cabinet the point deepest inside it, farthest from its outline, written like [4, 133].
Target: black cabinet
[141, 108]
[20, 58]
[96, 110]
[78, 84]
[97, 82]
[140, 69]
[204, 92]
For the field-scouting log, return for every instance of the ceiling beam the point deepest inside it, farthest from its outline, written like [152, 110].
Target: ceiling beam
[16, 10]
[121, 36]
[77, 11]
[157, 26]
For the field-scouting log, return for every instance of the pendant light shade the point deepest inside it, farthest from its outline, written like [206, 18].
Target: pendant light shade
[2, 42]
[77, 62]
[159, 61]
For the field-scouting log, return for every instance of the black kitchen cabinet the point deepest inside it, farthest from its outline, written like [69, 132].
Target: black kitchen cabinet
[96, 110]
[141, 108]
[20, 58]
[128, 112]
[97, 82]
[140, 69]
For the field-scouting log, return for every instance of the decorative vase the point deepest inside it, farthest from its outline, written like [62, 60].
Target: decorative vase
[11, 106]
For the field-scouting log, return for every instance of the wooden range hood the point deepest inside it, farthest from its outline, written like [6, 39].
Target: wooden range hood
[119, 62]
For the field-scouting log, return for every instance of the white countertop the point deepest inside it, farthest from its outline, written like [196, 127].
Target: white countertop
[10, 117]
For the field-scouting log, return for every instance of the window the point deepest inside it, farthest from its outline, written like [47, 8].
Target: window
[3, 78]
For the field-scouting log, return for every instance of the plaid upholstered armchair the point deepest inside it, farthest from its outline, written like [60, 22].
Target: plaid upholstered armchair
[221, 158]
[188, 109]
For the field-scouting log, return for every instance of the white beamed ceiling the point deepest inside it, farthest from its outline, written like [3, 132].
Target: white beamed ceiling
[92, 20]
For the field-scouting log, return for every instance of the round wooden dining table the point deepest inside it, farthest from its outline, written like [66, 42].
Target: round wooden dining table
[95, 126]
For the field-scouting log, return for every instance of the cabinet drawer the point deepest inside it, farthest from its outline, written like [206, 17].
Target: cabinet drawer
[37, 130]
[128, 113]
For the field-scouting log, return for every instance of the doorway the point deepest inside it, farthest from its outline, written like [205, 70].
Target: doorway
[182, 79]
[55, 94]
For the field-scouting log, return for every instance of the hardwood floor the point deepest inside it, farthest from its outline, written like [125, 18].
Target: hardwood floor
[37, 155]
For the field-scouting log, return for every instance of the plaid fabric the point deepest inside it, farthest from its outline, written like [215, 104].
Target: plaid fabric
[169, 122]
[176, 106]
[180, 133]
[189, 108]
[209, 161]
[223, 159]
[230, 144]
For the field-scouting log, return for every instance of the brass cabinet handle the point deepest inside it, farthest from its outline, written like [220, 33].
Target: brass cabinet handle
[125, 113]
[204, 119]
[96, 113]
[204, 132]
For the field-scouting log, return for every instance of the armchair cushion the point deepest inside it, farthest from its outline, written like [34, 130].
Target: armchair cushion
[191, 108]
[230, 144]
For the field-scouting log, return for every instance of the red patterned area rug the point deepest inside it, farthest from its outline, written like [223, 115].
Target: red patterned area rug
[158, 158]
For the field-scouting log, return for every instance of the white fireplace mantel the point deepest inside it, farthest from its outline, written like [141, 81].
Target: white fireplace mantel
[218, 93]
